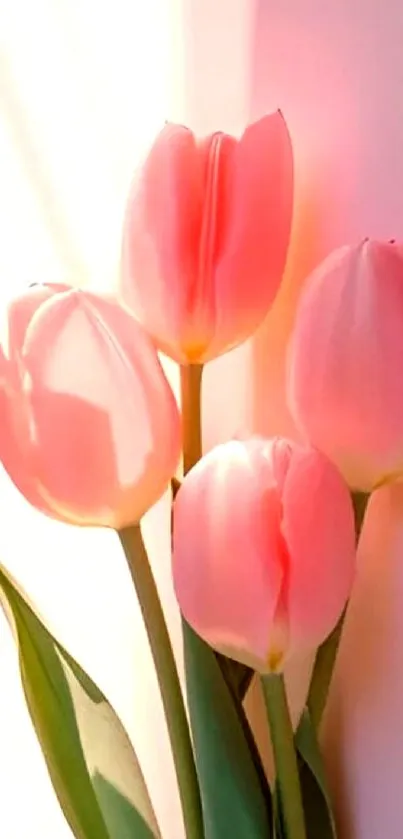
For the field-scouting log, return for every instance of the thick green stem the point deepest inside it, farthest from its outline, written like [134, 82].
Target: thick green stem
[327, 652]
[282, 737]
[167, 674]
[191, 381]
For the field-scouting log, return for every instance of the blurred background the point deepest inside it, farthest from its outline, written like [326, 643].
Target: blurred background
[84, 86]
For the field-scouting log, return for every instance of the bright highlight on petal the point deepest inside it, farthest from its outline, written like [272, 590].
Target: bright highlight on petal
[91, 431]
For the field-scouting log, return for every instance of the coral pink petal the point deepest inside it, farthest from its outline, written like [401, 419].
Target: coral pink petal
[255, 220]
[205, 237]
[226, 566]
[199, 306]
[161, 236]
[102, 409]
[318, 526]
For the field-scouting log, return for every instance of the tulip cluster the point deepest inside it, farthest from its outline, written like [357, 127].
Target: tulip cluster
[91, 431]
[264, 532]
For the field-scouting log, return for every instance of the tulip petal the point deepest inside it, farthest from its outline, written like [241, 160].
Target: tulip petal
[263, 550]
[20, 311]
[225, 529]
[17, 454]
[161, 236]
[16, 451]
[199, 304]
[318, 526]
[102, 411]
[256, 217]
[205, 237]
[345, 361]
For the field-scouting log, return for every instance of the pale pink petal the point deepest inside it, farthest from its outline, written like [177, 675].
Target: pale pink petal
[346, 361]
[200, 304]
[104, 421]
[226, 563]
[20, 311]
[318, 527]
[206, 235]
[16, 452]
[161, 236]
[255, 216]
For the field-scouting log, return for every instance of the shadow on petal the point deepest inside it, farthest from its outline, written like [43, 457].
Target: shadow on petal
[74, 457]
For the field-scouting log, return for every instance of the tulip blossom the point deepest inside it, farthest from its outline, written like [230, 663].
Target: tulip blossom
[90, 431]
[206, 235]
[264, 549]
[346, 361]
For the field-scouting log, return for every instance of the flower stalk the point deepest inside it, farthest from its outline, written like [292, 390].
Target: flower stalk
[167, 674]
[282, 737]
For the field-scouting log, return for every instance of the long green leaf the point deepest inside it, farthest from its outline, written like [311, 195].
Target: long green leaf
[319, 817]
[91, 763]
[236, 797]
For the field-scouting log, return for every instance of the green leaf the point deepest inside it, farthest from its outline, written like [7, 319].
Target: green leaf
[91, 763]
[235, 794]
[320, 822]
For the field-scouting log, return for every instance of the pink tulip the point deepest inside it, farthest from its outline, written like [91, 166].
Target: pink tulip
[90, 431]
[206, 236]
[346, 362]
[264, 549]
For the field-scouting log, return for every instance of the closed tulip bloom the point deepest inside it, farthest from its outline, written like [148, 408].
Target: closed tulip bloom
[345, 373]
[264, 549]
[206, 235]
[90, 431]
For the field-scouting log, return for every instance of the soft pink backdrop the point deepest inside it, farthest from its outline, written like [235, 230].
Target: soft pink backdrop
[336, 71]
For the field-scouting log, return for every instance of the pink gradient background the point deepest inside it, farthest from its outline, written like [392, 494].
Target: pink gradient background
[336, 71]
[335, 67]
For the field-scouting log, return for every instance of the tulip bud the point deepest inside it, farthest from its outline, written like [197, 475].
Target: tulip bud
[206, 235]
[345, 382]
[90, 431]
[263, 550]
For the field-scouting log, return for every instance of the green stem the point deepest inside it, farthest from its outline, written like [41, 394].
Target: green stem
[167, 674]
[327, 652]
[322, 674]
[191, 382]
[282, 737]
